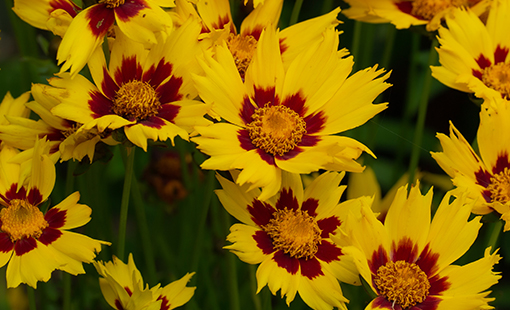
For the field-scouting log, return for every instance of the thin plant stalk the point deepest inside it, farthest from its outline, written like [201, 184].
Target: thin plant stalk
[294, 16]
[148, 249]
[253, 286]
[494, 236]
[232, 282]
[128, 177]
[66, 278]
[422, 112]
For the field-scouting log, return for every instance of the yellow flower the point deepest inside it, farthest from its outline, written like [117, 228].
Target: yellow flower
[289, 236]
[473, 55]
[219, 28]
[407, 261]
[64, 136]
[53, 15]
[32, 243]
[13, 107]
[486, 178]
[123, 288]
[407, 13]
[140, 20]
[286, 120]
[148, 94]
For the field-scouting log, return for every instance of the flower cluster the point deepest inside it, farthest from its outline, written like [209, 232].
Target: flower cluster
[270, 112]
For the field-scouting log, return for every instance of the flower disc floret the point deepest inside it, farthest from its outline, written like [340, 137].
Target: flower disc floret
[22, 220]
[136, 100]
[500, 186]
[402, 283]
[242, 48]
[427, 9]
[111, 4]
[497, 77]
[294, 232]
[276, 129]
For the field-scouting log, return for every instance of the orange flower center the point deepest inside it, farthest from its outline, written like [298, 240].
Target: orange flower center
[427, 9]
[111, 4]
[276, 129]
[402, 283]
[500, 186]
[136, 100]
[22, 220]
[497, 77]
[295, 233]
[242, 49]
[71, 130]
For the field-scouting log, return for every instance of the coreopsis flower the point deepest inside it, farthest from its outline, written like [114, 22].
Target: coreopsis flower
[219, 28]
[485, 177]
[140, 20]
[34, 244]
[148, 94]
[13, 107]
[123, 288]
[406, 13]
[407, 261]
[53, 15]
[290, 237]
[286, 120]
[64, 136]
[478, 62]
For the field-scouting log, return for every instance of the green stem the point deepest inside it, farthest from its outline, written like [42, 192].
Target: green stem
[206, 203]
[31, 298]
[232, 283]
[422, 112]
[496, 231]
[148, 250]
[253, 286]
[294, 16]
[356, 42]
[128, 177]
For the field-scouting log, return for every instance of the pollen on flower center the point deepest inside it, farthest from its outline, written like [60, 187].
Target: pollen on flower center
[70, 130]
[242, 49]
[427, 9]
[294, 232]
[22, 220]
[402, 283]
[497, 77]
[500, 186]
[136, 100]
[111, 4]
[276, 129]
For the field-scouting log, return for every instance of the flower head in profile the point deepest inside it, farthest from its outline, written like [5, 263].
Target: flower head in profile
[289, 236]
[286, 119]
[53, 15]
[123, 288]
[486, 178]
[149, 94]
[474, 55]
[34, 244]
[64, 136]
[406, 13]
[219, 28]
[407, 261]
[140, 20]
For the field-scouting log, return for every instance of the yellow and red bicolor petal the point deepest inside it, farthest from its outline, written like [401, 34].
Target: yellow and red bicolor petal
[249, 243]
[216, 15]
[177, 293]
[493, 134]
[140, 19]
[277, 278]
[6, 248]
[38, 13]
[84, 35]
[265, 15]
[31, 262]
